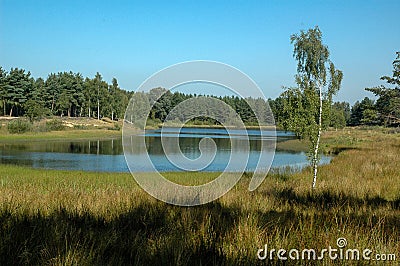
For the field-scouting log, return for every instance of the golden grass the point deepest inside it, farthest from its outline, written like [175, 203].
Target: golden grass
[81, 218]
[72, 134]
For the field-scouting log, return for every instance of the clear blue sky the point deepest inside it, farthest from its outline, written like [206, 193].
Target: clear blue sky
[133, 39]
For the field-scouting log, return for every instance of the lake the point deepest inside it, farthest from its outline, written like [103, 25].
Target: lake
[108, 155]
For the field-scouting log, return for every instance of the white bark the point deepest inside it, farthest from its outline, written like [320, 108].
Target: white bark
[98, 103]
[315, 157]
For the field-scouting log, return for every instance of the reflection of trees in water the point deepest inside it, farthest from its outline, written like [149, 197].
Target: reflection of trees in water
[188, 145]
[109, 147]
[191, 145]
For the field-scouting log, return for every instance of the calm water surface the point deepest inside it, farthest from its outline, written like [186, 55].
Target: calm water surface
[108, 155]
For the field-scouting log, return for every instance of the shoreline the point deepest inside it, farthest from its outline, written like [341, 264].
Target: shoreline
[64, 135]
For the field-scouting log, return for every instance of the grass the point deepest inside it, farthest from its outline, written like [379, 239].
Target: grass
[50, 217]
[74, 129]
[72, 134]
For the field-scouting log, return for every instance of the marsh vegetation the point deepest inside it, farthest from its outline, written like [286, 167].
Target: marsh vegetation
[83, 218]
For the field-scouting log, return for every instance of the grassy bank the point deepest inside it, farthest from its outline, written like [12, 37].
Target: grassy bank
[69, 129]
[81, 218]
[73, 134]
[78, 129]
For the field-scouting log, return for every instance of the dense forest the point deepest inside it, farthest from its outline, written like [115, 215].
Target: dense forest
[70, 94]
[251, 111]
[61, 94]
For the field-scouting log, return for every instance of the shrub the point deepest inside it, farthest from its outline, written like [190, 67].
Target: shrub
[78, 126]
[39, 127]
[55, 125]
[153, 122]
[19, 126]
[115, 127]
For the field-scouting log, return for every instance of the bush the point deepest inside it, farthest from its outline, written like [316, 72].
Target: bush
[19, 126]
[153, 123]
[81, 127]
[116, 127]
[39, 127]
[55, 125]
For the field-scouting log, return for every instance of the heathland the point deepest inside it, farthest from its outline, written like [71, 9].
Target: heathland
[51, 217]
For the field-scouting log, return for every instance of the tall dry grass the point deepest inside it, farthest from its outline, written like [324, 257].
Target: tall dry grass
[80, 218]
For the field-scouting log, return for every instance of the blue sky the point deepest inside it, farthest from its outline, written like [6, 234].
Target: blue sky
[131, 40]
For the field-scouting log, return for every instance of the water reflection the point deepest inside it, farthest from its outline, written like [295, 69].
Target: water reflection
[107, 155]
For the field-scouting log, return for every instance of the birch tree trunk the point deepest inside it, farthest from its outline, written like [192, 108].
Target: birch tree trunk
[315, 157]
[98, 103]
[313, 67]
[52, 104]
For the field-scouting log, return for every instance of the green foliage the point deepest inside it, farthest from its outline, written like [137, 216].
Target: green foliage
[364, 113]
[19, 126]
[298, 116]
[388, 103]
[62, 94]
[339, 115]
[311, 54]
[18, 85]
[34, 109]
[115, 126]
[83, 127]
[305, 107]
[70, 94]
[338, 119]
[370, 117]
[3, 91]
[153, 123]
[164, 101]
[300, 106]
[344, 109]
[55, 125]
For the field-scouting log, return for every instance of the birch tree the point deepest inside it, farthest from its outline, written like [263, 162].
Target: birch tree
[309, 103]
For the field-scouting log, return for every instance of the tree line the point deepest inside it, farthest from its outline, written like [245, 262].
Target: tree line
[251, 111]
[384, 111]
[60, 94]
[70, 94]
